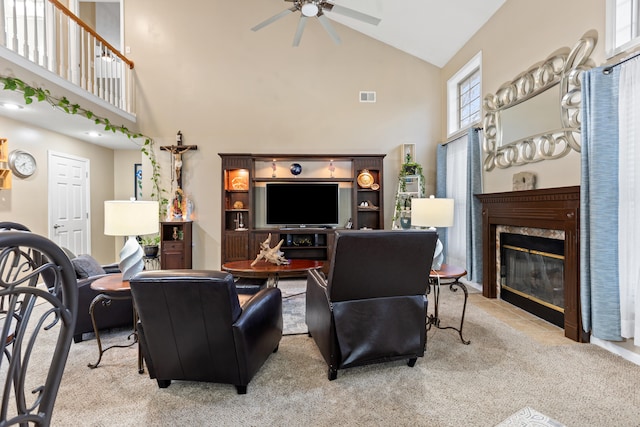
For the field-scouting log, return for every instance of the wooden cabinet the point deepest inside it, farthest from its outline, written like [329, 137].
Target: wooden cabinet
[175, 245]
[244, 181]
[5, 172]
[369, 202]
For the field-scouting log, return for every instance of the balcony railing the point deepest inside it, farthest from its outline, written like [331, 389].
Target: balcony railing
[48, 34]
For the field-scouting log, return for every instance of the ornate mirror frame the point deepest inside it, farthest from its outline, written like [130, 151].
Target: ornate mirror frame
[563, 67]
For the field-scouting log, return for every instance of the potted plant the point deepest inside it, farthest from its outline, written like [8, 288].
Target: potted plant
[150, 245]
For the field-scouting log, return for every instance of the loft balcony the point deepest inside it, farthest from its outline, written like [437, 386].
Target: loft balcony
[46, 46]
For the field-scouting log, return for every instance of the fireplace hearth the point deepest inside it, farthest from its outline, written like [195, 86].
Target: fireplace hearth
[549, 209]
[532, 275]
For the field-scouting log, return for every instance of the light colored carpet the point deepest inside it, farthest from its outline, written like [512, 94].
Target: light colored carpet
[293, 306]
[482, 384]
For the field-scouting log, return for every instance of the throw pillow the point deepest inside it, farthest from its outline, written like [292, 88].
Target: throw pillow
[86, 266]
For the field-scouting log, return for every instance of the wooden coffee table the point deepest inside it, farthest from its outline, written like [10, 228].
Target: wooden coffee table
[112, 287]
[271, 272]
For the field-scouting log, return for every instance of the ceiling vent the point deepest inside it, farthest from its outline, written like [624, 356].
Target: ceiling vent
[367, 96]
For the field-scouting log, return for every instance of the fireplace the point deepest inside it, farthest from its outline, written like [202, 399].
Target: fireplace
[546, 209]
[532, 275]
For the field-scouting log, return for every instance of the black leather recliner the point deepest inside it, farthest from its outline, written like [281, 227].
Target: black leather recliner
[372, 307]
[194, 327]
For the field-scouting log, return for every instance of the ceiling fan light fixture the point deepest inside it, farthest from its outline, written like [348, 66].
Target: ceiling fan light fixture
[310, 9]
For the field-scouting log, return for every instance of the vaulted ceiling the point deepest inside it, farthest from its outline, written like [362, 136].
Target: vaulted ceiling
[432, 30]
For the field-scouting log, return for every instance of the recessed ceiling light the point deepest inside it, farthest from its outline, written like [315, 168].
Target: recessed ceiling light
[10, 106]
[94, 134]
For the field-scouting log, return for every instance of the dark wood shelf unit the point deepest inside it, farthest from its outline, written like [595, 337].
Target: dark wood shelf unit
[175, 245]
[243, 244]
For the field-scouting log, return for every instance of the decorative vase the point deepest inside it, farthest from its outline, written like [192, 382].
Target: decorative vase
[150, 251]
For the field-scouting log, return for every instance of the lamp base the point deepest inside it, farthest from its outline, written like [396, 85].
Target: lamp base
[131, 258]
[438, 256]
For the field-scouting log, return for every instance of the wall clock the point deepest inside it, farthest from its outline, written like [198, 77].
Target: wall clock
[22, 163]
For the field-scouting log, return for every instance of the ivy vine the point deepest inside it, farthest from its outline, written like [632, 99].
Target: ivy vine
[32, 94]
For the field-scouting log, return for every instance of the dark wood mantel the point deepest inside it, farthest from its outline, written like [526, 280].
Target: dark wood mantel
[548, 208]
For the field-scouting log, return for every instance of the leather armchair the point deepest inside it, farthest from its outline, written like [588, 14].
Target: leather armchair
[372, 307]
[117, 313]
[194, 327]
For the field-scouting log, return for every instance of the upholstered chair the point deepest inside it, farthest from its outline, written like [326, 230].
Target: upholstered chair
[118, 313]
[372, 307]
[194, 327]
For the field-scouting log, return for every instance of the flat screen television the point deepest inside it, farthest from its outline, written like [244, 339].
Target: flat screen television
[302, 204]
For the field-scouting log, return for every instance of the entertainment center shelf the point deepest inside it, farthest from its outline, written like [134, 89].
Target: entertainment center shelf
[260, 196]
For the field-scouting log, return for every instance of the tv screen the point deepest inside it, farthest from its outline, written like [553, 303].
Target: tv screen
[296, 204]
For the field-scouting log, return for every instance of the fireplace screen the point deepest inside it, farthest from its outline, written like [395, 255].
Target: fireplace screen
[533, 268]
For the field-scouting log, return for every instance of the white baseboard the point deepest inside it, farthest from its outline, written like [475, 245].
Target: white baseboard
[617, 349]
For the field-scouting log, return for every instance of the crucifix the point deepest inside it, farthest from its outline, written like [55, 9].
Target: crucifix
[177, 150]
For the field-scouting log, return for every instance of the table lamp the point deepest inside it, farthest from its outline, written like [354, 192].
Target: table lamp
[130, 219]
[431, 213]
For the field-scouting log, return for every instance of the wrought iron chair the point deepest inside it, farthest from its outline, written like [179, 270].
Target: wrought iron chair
[39, 284]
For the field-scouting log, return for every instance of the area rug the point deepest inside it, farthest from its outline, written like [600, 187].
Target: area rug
[293, 306]
[529, 417]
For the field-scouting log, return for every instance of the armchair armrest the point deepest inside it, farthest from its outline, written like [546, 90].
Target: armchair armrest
[319, 315]
[258, 330]
[111, 268]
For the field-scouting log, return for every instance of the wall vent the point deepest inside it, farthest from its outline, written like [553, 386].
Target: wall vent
[367, 96]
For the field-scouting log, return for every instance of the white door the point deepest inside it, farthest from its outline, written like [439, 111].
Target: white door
[69, 223]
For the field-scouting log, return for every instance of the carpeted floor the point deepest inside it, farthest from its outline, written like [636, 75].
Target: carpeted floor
[482, 384]
[293, 306]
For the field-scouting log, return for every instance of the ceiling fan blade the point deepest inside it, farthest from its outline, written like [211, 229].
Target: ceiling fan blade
[299, 31]
[329, 28]
[351, 13]
[274, 18]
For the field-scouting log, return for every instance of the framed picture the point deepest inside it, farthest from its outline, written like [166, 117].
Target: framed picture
[137, 181]
[408, 153]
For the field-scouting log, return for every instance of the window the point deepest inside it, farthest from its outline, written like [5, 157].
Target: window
[464, 106]
[469, 100]
[623, 25]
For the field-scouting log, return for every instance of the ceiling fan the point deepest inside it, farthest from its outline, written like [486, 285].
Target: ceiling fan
[316, 8]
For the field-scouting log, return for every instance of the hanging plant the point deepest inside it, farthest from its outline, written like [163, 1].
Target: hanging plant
[31, 94]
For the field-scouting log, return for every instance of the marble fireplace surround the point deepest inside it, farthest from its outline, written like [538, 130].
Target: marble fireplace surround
[548, 208]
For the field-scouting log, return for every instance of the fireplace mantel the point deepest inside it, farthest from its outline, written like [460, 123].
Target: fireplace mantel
[548, 208]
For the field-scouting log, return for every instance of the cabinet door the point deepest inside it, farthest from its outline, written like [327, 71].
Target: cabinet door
[236, 246]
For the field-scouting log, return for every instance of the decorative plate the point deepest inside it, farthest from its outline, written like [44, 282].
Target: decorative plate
[375, 186]
[365, 179]
[295, 168]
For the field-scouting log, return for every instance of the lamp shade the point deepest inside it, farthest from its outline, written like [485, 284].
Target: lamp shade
[130, 218]
[431, 212]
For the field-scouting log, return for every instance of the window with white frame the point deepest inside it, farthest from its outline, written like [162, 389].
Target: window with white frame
[623, 25]
[464, 106]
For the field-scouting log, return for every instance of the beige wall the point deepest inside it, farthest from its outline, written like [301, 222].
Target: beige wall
[229, 89]
[27, 201]
[520, 34]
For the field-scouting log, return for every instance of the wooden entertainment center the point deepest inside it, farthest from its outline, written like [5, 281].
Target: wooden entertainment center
[245, 177]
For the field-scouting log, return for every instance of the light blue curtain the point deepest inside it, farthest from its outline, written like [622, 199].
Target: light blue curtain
[599, 291]
[441, 188]
[474, 212]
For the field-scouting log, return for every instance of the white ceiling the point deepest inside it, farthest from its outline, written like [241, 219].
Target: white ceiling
[432, 30]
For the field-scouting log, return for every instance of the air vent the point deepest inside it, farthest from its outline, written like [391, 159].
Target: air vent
[367, 96]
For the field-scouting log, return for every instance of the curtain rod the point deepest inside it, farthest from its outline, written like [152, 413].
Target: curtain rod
[460, 135]
[610, 68]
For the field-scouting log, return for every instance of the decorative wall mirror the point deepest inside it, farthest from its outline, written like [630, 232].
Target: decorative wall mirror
[536, 116]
